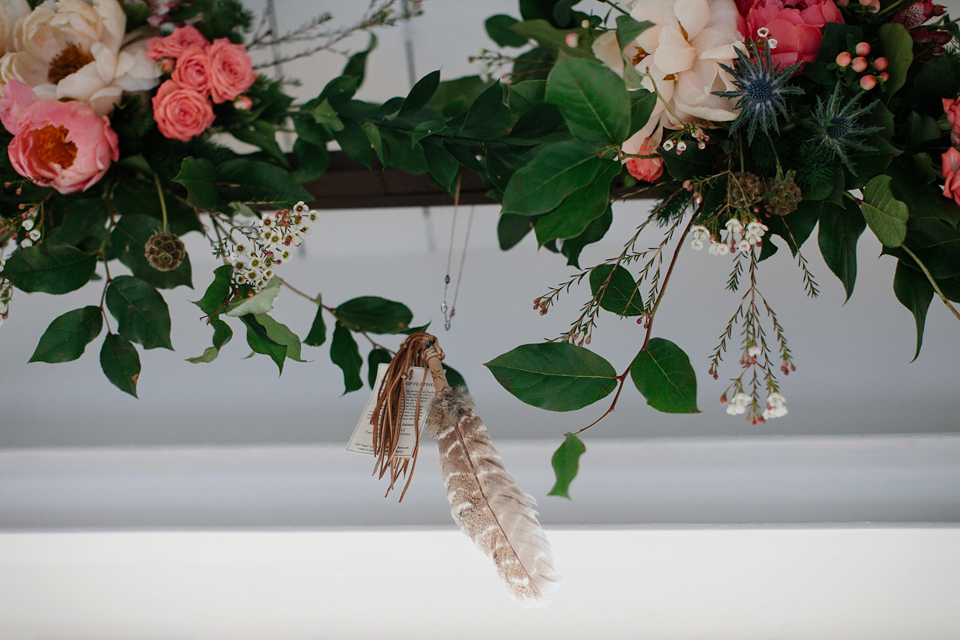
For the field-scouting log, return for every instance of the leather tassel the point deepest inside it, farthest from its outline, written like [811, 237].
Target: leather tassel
[486, 502]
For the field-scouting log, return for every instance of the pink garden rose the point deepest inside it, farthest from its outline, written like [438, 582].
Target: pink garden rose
[64, 145]
[175, 44]
[181, 114]
[950, 165]
[796, 25]
[646, 169]
[952, 109]
[231, 71]
[193, 70]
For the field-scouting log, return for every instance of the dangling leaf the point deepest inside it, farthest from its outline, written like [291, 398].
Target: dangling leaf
[662, 373]
[120, 363]
[67, 336]
[566, 464]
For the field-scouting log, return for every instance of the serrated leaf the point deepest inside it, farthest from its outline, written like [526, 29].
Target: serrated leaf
[620, 295]
[592, 99]
[886, 215]
[215, 297]
[68, 335]
[282, 335]
[556, 376]
[375, 315]
[222, 333]
[260, 302]
[375, 358]
[840, 230]
[141, 312]
[662, 373]
[566, 464]
[199, 177]
[557, 171]
[49, 268]
[345, 354]
[260, 342]
[913, 290]
[120, 362]
[318, 330]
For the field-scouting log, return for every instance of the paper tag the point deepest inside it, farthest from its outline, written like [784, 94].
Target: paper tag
[362, 439]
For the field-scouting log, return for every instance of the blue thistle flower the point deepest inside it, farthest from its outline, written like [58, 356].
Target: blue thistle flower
[761, 91]
[837, 127]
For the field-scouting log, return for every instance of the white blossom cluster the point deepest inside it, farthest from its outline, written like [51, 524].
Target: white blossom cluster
[750, 236]
[776, 406]
[6, 292]
[28, 224]
[738, 404]
[270, 243]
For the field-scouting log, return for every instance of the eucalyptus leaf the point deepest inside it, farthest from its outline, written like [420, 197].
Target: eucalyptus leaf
[120, 362]
[68, 335]
[566, 464]
[556, 376]
[663, 374]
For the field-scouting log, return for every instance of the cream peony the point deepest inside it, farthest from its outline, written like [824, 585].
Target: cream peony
[71, 50]
[680, 56]
[11, 12]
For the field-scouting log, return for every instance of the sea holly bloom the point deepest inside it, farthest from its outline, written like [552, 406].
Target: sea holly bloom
[63, 145]
[950, 166]
[796, 25]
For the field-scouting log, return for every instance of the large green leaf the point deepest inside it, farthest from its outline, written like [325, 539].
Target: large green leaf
[129, 237]
[120, 363]
[247, 180]
[592, 99]
[886, 215]
[499, 29]
[512, 228]
[913, 290]
[318, 330]
[557, 171]
[556, 376]
[421, 93]
[345, 354]
[897, 46]
[260, 342]
[215, 297]
[260, 302]
[488, 116]
[566, 463]
[580, 208]
[840, 230]
[376, 315]
[375, 358]
[662, 373]
[141, 312]
[282, 335]
[572, 247]
[49, 268]
[199, 177]
[68, 335]
[620, 294]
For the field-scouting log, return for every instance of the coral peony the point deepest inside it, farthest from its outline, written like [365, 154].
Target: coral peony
[181, 114]
[796, 25]
[63, 145]
[193, 70]
[176, 43]
[950, 165]
[231, 70]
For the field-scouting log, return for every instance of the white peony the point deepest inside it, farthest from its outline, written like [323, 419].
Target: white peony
[11, 12]
[680, 57]
[72, 50]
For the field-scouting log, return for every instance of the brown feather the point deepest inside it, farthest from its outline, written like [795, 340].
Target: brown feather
[487, 504]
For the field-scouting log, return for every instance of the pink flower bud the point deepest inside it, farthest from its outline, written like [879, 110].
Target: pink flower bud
[868, 82]
[844, 58]
[859, 64]
[880, 64]
[884, 76]
[243, 103]
[572, 40]
[863, 49]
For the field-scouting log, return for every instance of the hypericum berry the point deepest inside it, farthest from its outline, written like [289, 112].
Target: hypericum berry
[862, 49]
[868, 82]
[844, 58]
[880, 64]
[859, 64]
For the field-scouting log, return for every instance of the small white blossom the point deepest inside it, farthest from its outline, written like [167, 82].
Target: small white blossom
[757, 228]
[734, 226]
[668, 145]
[773, 43]
[699, 232]
[744, 246]
[34, 235]
[753, 351]
[681, 146]
[714, 249]
[738, 404]
[27, 224]
[697, 245]
[722, 249]
[776, 406]
[27, 242]
[763, 32]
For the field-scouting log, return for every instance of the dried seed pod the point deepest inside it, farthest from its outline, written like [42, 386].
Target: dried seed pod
[783, 195]
[744, 189]
[164, 251]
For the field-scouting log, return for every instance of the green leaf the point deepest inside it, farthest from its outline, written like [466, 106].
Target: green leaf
[49, 268]
[594, 232]
[620, 295]
[556, 376]
[84, 221]
[259, 303]
[141, 312]
[840, 230]
[897, 46]
[454, 379]
[566, 463]
[913, 290]
[262, 135]
[260, 342]
[511, 229]
[324, 114]
[375, 358]
[357, 64]
[487, 117]
[199, 177]
[580, 208]
[421, 93]
[642, 103]
[662, 373]
[592, 99]
[222, 333]
[129, 237]
[795, 227]
[318, 330]
[215, 297]
[886, 215]
[354, 142]
[282, 335]
[375, 315]
[312, 160]
[247, 180]
[549, 37]
[498, 28]
[345, 354]
[628, 29]
[441, 166]
[120, 363]
[556, 172]
[68, 335]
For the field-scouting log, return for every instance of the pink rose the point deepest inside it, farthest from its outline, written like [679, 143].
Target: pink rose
[231, 70]
[950, 107]
[175, 44]
[646, 169]
[181, 113]
[64, 145]
[193, 70]
[796, 25]
[950, 165]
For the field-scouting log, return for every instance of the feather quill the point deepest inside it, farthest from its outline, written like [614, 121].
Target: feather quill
[486, 502]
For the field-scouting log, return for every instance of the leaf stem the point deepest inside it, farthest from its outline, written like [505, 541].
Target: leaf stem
[933, 282]
[163, 202]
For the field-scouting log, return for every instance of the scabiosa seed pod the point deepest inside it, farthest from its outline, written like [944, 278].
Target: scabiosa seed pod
[164, 251]
[745, 189]
[783, 195]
